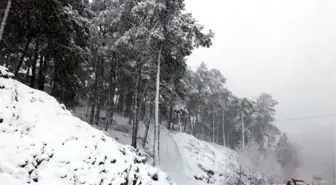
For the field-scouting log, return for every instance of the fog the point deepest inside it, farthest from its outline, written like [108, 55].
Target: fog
[286, 48]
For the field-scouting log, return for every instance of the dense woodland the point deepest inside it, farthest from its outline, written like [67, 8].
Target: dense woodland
[106, 55]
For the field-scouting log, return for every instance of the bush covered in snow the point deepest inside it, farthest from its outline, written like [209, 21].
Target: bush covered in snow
[4, 73]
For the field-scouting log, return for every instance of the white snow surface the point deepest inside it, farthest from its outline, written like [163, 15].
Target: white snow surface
[42, 143]
[182, 156]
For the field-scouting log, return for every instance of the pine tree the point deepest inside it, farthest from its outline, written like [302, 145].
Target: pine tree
[4, 19]
[50, 49]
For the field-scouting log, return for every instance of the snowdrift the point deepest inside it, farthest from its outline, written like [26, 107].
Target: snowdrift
[43, 143]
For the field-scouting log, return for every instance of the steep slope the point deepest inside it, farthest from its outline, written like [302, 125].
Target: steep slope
[43, 143]
[207, 162]
[187, 159]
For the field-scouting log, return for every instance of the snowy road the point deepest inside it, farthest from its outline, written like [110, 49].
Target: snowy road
[171, 159]
[170, 156]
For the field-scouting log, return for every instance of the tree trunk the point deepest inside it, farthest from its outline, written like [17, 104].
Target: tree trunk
[129, 103]
[27, 72]
[93, 105]
[56, 79]
[196, 125]
[156, 127]
[158, 145]
[87, 110]
[94, 95]
[149, 114]
[192, 125]
[7, 63]
[179, 121]
[135, 111]
[21, 58]
[243, 131]
[170, 117]
[137, 122]
[130, 118]
[33, 76]
[130, 113]
[116, 105]
[227, 141]
[202, 124]
[98, 90]
[111, 93]
[97, 114]
[109, 120]
[172, 126]
[123, 105]
[4, 19]
[223, 125]
[218, 133]
[143, 108]
[213, 124]
[42, 73]
[186, 120]
[121, 95]
[139, 112]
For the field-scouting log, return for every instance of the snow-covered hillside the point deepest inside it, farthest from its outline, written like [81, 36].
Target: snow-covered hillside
[209, 162]
[187, 159]
[43, 143]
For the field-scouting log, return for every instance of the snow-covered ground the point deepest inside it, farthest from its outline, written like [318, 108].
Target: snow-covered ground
[187, 159]
[43, 143]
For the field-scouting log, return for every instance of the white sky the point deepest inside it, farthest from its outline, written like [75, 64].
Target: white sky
[283, 47]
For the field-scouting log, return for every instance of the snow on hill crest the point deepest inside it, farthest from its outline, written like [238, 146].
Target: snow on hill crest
[43, 143]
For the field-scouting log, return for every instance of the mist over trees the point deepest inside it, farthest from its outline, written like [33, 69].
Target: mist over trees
[129, 57]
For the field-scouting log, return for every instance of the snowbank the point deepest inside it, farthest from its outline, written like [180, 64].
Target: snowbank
[43, 143]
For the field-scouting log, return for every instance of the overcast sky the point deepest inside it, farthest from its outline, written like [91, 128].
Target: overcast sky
[286, 48]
